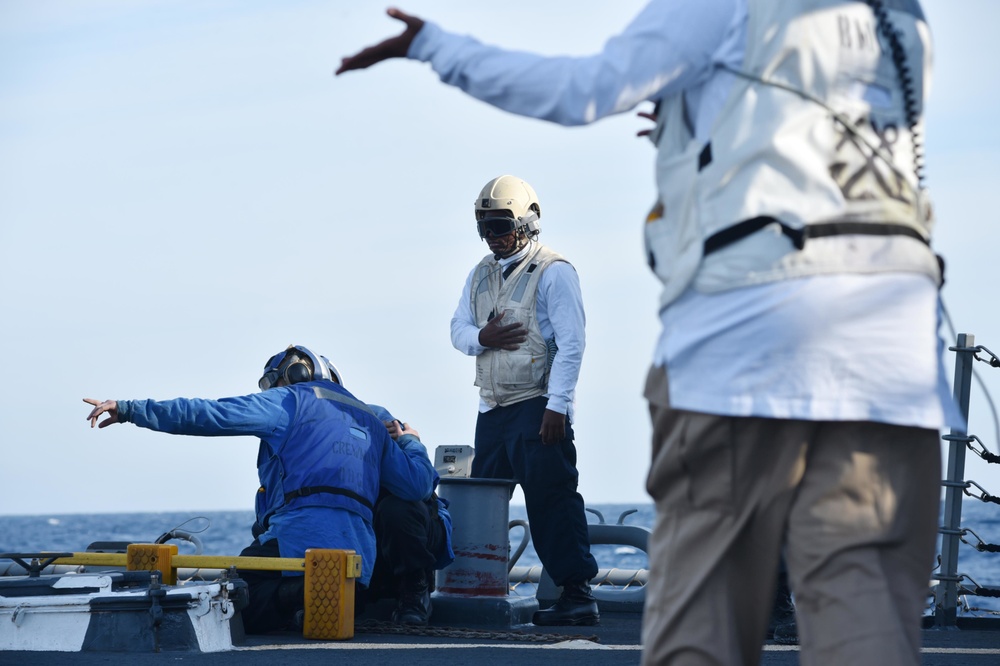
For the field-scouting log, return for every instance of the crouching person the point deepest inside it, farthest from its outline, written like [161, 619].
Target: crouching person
[322, 458]
[414, 539]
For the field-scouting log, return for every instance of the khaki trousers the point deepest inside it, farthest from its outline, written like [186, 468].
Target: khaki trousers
[855, 505]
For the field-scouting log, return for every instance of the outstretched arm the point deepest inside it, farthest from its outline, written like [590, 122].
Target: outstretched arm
[393, 47]
[667, 48]
[266, 414]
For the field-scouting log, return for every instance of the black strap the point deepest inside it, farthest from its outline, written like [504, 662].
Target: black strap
[705, 156]
[741, 230]
[511, 267]
[315, 490]
[863, 229]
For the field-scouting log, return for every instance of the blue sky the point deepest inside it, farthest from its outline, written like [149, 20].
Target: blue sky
[185, 189]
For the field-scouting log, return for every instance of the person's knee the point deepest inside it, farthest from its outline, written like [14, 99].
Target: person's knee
[272, 602]
[391, 510]
[554, 476]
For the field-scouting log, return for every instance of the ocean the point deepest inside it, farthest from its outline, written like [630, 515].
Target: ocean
[228, 532]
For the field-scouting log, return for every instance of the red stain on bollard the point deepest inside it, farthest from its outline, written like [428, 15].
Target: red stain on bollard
[472, 583]
[480, 540]
[481, 556]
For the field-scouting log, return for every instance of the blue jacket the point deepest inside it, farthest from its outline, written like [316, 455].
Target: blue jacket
[447, 555]
[312, 435]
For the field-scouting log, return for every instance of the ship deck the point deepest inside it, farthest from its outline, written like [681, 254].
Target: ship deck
[616, 641]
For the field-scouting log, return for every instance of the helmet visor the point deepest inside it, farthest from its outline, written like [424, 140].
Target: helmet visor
[269, 379]
[494, 227]
[272, 371]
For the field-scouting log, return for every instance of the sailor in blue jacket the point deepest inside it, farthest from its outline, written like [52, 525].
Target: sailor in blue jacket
[323, 457]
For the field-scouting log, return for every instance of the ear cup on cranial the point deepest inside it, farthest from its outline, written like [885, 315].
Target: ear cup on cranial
[297, 372]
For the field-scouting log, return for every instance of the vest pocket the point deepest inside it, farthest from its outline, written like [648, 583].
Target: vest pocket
[521, 370]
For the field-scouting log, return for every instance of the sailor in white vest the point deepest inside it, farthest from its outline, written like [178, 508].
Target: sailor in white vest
[797, 389]
[521, 315]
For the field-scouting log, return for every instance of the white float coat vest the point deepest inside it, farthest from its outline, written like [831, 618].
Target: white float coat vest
[506, 377]
[812, 172]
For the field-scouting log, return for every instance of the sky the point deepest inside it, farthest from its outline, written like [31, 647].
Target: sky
[185, 190]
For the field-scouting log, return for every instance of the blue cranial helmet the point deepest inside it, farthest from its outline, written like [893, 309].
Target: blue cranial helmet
[297, 364]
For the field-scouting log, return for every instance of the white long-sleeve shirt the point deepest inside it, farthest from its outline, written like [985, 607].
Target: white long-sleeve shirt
[832, 347]
[672, 45]
[559, 312]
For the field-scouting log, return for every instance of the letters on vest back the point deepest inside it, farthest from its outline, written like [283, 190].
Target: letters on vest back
[328, 459]
[810, 165]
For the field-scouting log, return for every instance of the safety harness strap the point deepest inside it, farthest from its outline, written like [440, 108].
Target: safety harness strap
[741, 230]
[315, 490]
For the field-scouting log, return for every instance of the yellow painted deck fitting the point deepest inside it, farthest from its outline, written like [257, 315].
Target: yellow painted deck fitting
[153, 557]
[329, 593]
[329, 578]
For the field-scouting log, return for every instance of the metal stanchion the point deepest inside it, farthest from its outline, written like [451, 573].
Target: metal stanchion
[946, 595]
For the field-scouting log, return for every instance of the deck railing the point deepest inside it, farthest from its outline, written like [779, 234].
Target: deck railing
[951, 585]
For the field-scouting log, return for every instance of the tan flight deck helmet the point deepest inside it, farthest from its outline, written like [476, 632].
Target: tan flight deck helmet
[508, 193]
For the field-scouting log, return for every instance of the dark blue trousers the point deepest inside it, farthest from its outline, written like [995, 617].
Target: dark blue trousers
[274, 599]
[409, 535]
[508, 446]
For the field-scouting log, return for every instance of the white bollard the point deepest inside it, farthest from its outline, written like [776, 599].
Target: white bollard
[480, 514]
[474, 589]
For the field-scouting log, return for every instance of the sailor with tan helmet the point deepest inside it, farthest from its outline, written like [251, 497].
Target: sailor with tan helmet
[521, 315]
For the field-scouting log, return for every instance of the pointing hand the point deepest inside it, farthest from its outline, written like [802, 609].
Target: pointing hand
[109, 407]
[393, 47]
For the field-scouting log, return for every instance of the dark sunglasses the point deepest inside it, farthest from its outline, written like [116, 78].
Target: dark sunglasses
[494, 227]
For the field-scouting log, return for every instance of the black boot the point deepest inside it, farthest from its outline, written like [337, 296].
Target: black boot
[782, 628]
[576, 606]
[291, 601]
[413, 607]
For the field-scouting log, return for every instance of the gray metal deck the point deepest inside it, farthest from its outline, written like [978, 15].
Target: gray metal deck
[618, 637]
